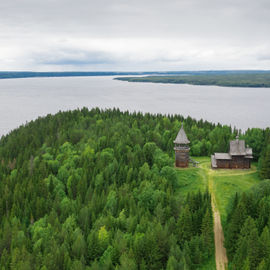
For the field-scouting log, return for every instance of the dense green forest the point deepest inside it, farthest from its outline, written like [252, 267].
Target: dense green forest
[223, 79]
[93, 189]
[247, 235]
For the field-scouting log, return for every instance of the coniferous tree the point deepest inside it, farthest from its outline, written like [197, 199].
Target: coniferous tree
[97, 190]
[265, 164]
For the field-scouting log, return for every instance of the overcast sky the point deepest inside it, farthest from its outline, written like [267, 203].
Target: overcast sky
[130, 35]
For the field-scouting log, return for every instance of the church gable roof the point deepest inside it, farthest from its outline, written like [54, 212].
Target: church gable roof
[223, 156]
[181, 137]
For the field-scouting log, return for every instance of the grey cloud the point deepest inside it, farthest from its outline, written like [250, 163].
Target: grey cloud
[166, 34]
[77, 62]
[73, 57]
[142, 18]
[264, 57]
[76, 57]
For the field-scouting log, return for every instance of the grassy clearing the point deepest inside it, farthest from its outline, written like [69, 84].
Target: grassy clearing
[225, 187]
[225, 183]
[191, 180]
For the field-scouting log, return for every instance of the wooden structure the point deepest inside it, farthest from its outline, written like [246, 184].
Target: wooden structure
[194, 162]
[239, 157]
[181, 149]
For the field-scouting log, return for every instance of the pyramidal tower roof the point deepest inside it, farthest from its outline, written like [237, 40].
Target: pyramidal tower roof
[181, 137]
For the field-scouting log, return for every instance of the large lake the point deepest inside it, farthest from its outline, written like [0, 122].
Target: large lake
[22, 100]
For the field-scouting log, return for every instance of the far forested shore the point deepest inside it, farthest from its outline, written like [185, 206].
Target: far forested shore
[249, 79]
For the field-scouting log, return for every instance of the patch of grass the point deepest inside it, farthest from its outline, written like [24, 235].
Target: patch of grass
[225, 183]
[201, 159]
[191, 180]
[225, 187]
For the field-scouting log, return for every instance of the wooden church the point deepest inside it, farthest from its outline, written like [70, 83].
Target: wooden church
[239, 156]
[181, 149]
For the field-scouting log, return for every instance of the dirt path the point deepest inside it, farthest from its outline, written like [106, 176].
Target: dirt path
[221, 256]
[209, 177]
[220, 251]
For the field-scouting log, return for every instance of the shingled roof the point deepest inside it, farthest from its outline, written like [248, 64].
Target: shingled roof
[181, 137]
[237, 148]
[222, 156]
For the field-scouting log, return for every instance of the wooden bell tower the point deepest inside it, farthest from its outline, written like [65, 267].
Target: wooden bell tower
[181, 149]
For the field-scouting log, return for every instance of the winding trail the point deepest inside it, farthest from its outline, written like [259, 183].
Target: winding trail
[220, 251]
[210, 178]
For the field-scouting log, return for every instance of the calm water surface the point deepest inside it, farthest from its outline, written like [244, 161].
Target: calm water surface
[22, 100]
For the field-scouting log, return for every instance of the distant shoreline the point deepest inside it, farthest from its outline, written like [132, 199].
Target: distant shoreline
[27, 74]
[148, 74]
[248, 80]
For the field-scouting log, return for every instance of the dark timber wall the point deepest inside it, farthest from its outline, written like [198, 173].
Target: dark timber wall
[181, 158]
[237, 162]
[223, 163]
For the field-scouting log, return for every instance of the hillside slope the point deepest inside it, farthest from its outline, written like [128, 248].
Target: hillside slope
[98, 190]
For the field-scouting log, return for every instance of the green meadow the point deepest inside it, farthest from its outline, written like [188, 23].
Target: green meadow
[226, 184]
[223, 183]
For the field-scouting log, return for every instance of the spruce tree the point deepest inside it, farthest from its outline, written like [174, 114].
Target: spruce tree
[207, 233]
[184, 225]
[265, 243]
[265, 164]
